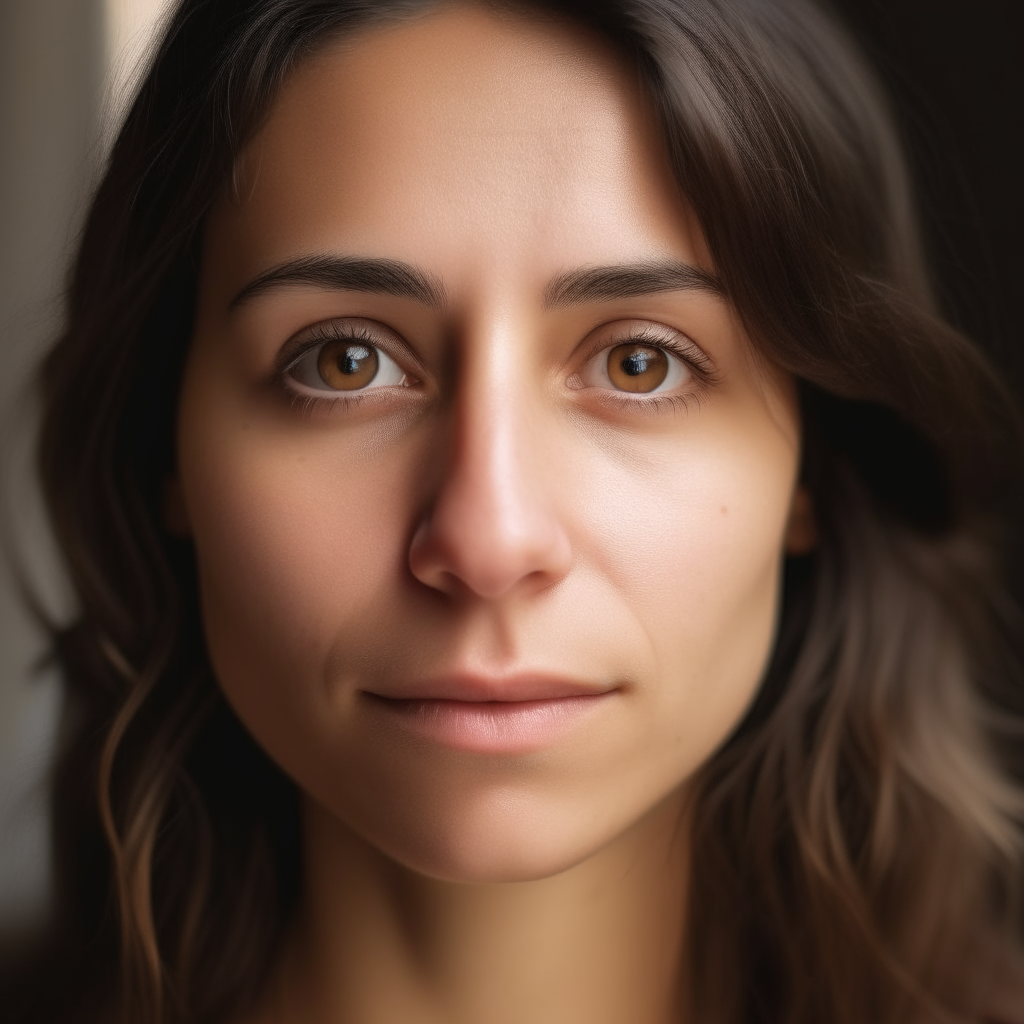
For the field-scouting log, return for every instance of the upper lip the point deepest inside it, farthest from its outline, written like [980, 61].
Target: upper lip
[472, 687]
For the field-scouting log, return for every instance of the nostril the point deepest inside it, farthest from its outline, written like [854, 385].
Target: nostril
[492, 523]
[488, 555]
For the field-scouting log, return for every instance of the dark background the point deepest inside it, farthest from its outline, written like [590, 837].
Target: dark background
[955, 71]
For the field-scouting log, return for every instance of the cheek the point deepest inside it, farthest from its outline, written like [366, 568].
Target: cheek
[693, 542]
[302, 537]
[297, 544]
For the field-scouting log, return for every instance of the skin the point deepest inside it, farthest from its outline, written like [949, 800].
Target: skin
[503, 511]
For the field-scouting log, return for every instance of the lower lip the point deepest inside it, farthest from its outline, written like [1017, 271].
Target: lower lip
[490, 727]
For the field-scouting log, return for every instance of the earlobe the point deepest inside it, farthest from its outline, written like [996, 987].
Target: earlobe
[801, 529]
[173, 510]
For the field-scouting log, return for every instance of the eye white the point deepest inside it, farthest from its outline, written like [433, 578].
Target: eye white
[305, 373]
[595, 373]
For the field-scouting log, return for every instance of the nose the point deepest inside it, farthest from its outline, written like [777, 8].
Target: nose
[493, 528]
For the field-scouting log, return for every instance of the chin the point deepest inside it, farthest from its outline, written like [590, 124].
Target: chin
[500, 836]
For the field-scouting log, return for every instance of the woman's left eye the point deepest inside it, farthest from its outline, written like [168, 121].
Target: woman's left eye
[637, 367]
[344, 365]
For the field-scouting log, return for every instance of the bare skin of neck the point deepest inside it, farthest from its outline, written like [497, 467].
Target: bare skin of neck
[376, 943]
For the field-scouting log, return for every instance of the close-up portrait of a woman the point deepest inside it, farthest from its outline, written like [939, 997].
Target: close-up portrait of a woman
[541, 552]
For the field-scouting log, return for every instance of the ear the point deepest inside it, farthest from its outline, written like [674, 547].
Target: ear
[173, 510]
[801, 530]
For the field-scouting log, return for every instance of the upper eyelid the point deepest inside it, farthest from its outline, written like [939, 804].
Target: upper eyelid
[653, 332]
[661, 336]
[307, 338]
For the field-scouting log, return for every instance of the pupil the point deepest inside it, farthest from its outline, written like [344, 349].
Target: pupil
[347, 366]
[635, 364]
[636, 367]
[352, 361]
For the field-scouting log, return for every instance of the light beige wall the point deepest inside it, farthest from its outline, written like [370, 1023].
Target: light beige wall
[65, 71]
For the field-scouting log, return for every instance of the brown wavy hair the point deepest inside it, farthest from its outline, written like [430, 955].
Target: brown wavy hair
[859, 833]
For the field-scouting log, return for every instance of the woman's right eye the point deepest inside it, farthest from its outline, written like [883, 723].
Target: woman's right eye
[344, 365]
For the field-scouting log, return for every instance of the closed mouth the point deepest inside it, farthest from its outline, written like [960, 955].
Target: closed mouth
[520, 722]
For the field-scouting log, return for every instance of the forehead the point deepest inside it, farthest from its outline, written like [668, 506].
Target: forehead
[462, 139]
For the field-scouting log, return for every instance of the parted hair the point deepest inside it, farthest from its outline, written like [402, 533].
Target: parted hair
[859, 838]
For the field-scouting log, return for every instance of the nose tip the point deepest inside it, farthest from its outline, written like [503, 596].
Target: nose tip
[488, 553]
[493, 526]
[494, 518]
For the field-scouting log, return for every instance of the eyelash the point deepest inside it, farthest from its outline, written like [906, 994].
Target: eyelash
[704, 374]
[310, 405]
[320, 334]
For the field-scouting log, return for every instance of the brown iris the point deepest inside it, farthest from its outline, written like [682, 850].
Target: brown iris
[346, 365]
[633, 367]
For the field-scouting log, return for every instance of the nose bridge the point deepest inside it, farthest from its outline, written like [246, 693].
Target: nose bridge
[490, 458]
[493, 522]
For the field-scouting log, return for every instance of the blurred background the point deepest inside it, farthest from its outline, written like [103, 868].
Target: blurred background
[67, 68]
[67, 71]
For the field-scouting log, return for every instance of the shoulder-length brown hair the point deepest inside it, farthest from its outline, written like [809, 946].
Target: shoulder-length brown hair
[862, 826]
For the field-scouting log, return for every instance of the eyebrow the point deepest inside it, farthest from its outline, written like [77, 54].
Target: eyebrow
[350, 273]
[625, 281]
[393, 277]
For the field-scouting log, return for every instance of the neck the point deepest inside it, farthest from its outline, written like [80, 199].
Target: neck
[599, 943]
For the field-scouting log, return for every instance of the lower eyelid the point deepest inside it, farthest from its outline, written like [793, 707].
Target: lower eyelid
[306, 393]
[653, 404]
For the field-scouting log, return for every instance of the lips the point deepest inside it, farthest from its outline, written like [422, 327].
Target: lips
[498, 715]
[523, 686]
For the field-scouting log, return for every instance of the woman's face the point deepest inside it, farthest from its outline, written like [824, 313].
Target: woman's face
[488, 491]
